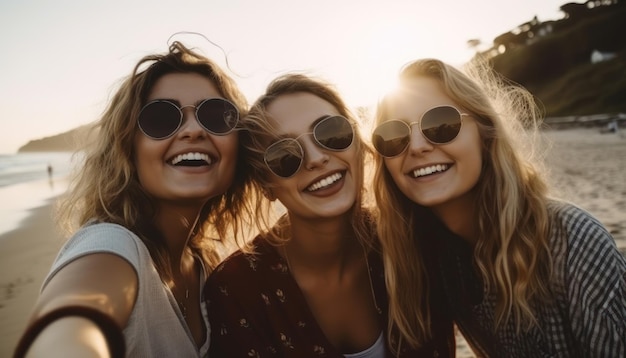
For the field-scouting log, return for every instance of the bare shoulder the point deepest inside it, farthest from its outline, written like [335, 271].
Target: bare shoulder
[103, 281]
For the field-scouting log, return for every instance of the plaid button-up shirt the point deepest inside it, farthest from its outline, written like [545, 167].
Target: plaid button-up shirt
[587, 317]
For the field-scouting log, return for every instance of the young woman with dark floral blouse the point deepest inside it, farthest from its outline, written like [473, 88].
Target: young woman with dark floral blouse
[312, 283]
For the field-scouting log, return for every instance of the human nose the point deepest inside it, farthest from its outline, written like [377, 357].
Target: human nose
[190, 127]
[418, 144]
[314, 155]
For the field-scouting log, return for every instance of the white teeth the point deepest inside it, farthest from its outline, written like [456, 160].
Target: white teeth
[430, 170]
[191, 156]
[325, 182]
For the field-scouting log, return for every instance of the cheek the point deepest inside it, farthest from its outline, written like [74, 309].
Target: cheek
[477, 167]
[352, 157]
[145, 147]
[146, 173]
[471, 164]
[140, 159]
[228, 148]
[394, 166]
[148, 158]
[469, 148]
[478, 154]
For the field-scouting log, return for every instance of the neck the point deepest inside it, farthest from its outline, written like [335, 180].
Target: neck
[323, 235]
[321, 245]
[459, 216]
[177, 225]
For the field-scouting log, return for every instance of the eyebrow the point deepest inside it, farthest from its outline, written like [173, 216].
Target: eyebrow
[311, 126]
[177, 102]
[315, 122]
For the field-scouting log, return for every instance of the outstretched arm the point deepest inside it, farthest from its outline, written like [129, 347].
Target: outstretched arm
[81, 307]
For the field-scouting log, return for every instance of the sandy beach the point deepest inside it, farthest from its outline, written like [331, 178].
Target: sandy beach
[26, 254]
[587, 167]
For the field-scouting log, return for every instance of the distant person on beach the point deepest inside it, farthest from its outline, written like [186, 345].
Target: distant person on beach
[49, 171]
[524, 275]
[312, 284]
[162, 178]
[612, 126]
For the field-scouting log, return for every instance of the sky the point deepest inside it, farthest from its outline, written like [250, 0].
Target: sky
[62, 60]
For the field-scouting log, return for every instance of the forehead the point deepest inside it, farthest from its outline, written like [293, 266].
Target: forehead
[294, 113]
[187, 88]
[416, 96]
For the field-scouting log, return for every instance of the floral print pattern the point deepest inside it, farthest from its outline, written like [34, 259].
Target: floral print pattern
[256, 309]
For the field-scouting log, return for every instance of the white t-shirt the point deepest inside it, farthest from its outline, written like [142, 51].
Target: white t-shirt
[377, 350]
[156, 327]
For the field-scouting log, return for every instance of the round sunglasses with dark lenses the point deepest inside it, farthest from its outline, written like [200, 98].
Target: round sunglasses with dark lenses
[161, 118]
[284, 157]
[439, 125]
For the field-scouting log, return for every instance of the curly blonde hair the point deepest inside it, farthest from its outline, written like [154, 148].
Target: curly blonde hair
[106, 187]
[512, 254]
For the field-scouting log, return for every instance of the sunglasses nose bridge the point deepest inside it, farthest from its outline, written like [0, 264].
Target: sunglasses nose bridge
[417, 140]
[190, 122]
[314, 153]
[308, 143]
[188, 110]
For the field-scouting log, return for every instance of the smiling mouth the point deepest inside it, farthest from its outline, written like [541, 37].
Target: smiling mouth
[193, 159]
[433, 169]
[325, 182]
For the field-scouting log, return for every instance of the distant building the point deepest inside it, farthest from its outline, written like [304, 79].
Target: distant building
[540, 30]
[598, 56]
[522, 35]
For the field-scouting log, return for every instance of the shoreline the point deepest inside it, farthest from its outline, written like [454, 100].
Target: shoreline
[21, 198]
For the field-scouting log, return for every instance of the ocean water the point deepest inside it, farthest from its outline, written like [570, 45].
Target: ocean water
[26, 184]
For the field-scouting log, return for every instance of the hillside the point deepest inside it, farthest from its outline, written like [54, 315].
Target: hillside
[553, 60]
[65, 142]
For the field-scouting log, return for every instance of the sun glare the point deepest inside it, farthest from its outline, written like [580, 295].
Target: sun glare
[383, 50]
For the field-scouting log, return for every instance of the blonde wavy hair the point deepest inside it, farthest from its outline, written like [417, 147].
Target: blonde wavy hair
[512, 254]
[259, 133]
[106, 187]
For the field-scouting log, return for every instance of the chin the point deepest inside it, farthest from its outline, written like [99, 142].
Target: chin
[430, 202]
[338, 210]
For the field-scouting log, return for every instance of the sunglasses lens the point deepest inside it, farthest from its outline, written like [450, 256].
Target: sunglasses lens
[284, 157]
[159, 119]
[217, 115]
[391, 138]
[334, 133]
[441, 124]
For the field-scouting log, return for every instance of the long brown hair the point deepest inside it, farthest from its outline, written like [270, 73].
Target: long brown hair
[106, 187]
[512, 254]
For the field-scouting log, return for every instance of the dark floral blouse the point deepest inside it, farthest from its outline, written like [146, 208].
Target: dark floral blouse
[256, 309]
